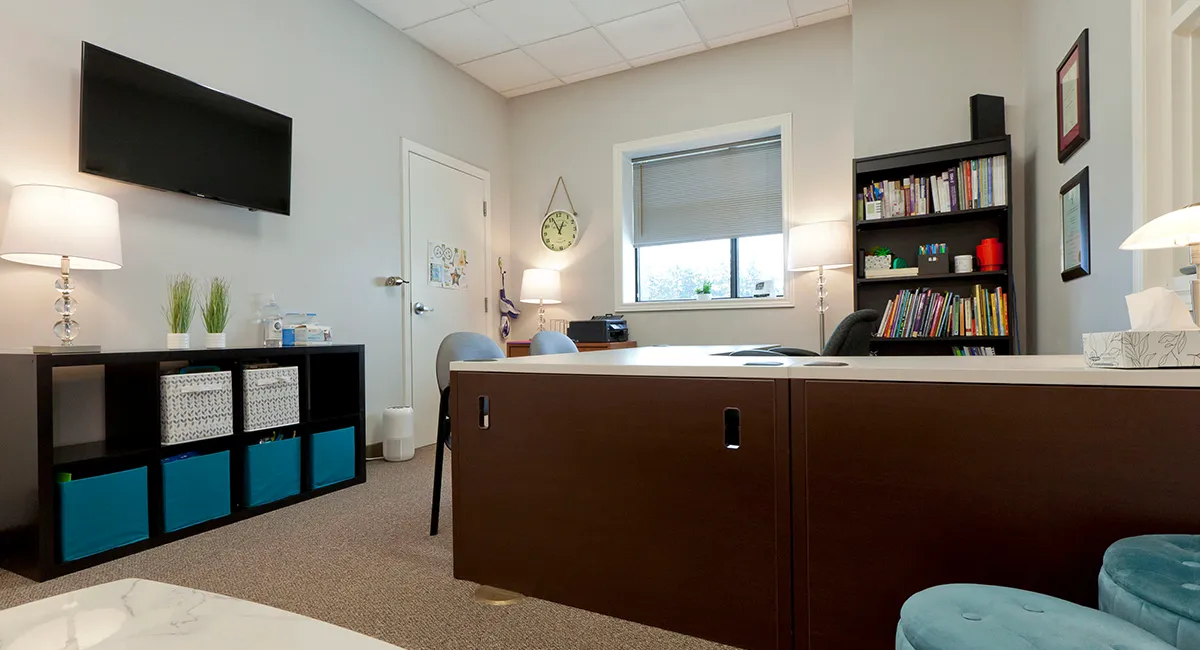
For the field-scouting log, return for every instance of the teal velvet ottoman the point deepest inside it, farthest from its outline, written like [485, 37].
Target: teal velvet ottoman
[979, 617]
[1153, 581]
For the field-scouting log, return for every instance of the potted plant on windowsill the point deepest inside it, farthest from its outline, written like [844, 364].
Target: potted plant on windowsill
[216, 313]
[704, 292]
[181, 306]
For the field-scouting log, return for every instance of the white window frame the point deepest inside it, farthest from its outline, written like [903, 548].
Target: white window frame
[623, 218]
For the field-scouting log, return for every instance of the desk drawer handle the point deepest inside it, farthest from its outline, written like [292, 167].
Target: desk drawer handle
[484, 412]
[733, 428]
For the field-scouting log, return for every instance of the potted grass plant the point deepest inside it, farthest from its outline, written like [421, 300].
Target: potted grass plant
[215, 312]
[180, 308]
[704, 291]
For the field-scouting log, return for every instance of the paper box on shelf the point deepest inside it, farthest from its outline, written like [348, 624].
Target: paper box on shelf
[1143, 349]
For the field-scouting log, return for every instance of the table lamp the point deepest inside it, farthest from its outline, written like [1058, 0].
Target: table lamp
[60, 227]
[541, 287]
[818, 246]
[1177, 229]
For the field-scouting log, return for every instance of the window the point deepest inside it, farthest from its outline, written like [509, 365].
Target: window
[709, 214]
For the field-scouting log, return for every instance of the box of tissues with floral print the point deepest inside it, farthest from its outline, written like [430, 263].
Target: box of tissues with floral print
[1163, 336]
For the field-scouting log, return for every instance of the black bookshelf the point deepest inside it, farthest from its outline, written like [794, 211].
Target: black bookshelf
[961, 230]
[332, 396]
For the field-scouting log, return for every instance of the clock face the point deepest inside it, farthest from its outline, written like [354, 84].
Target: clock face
[559, 230]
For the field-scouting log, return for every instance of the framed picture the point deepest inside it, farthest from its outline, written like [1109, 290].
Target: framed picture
[1076, 227]
[1074, 110]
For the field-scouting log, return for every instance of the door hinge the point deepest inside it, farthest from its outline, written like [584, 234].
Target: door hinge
[485, 208]
[485, 304]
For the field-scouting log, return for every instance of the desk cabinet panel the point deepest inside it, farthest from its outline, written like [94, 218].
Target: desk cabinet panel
[626, 496]
[1020, 486]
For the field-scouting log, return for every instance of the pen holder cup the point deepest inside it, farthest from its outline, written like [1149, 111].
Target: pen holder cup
[933, 264]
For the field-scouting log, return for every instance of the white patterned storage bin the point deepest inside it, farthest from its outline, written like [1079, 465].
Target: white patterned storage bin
[196, 406]
[272, 397]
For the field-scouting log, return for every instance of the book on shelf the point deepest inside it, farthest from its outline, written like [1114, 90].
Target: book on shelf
[924, 313]
[972, 184]
[908, 272]
[973, 351]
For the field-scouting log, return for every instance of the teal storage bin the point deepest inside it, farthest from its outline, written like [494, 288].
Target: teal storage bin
[332, 458]
[272, 471]
[195, 490]
[102, 512]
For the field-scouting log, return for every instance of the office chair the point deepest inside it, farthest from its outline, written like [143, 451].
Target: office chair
[852, 338]
[459, 346]
[551, 343]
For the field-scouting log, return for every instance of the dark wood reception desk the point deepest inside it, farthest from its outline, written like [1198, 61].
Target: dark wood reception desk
[785, 506]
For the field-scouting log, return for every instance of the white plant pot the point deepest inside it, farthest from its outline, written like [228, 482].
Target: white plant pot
[703, 296]
[178, 341]
[214, 341]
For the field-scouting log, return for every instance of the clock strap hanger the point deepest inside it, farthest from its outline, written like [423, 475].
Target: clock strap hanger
[553, 194]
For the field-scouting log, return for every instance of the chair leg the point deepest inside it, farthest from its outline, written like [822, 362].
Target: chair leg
[443, 434]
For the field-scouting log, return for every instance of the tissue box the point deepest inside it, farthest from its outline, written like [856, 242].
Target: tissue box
[1142, 349]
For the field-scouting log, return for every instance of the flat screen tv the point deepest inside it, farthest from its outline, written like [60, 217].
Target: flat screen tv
[142, 125]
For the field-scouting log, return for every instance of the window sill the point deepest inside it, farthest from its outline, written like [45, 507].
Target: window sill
[707, 305]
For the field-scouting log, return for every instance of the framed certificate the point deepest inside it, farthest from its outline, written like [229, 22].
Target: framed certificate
[1074, 112]
[1076, 226]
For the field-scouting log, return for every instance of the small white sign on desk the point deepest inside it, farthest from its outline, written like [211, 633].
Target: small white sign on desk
[1143, 349]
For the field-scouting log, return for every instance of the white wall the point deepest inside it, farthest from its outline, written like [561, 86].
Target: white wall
[916, 65]
[354, 87]
[1063, 311]
[570, 131]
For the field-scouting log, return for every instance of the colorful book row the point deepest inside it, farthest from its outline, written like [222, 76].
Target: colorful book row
[922, 313]
[979, 183]
[970, 351]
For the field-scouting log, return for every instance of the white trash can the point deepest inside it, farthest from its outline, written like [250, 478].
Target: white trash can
[398, 443]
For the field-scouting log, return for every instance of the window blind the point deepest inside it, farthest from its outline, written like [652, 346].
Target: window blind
[720, 193]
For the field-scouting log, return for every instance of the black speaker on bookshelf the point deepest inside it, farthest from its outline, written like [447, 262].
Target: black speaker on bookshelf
[987, 117]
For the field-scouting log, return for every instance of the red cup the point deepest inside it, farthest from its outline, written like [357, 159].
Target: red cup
[990, 254]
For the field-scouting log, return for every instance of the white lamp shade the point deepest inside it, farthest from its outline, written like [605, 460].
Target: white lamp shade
[821, 243]
[46, 223]
[541, 286]
[1172, 230]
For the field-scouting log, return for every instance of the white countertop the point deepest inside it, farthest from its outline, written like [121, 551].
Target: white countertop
[146, 615]
[699, 361]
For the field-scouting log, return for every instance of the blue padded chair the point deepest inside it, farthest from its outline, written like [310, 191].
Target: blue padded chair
[979, 617]
[551, 343]
[459, 346]
[1153, 581]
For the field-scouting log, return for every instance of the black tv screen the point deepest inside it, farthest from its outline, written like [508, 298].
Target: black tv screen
[142, 125]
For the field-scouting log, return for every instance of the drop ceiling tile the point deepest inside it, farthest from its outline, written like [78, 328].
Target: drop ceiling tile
[747, 35]
[603, 11]
[530, 21]
[598, 72]
[651, 32]
[822, 16]
[574, 53]
[460, 37]
[508, 71]
[802, 8]
[407, 13]
[545, 85]
[669, 54]
[717, 18]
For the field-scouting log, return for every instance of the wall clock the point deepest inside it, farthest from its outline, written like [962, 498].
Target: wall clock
[559, 230]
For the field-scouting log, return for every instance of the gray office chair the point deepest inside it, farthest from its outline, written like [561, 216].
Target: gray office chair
[459, 346]
[551, 343]
[852, 338]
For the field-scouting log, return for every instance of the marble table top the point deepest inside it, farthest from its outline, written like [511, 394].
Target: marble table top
[146, 615]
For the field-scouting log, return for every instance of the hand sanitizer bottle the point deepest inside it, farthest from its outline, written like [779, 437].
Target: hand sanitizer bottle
[272, 324]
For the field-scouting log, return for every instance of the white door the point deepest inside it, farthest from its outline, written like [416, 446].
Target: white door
[447, 260]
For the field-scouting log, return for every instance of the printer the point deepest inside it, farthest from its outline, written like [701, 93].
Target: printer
[609, 328]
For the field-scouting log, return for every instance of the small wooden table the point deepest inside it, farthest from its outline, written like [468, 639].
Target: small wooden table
[521, 348]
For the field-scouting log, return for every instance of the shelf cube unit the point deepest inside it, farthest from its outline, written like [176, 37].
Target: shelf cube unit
[332, 399]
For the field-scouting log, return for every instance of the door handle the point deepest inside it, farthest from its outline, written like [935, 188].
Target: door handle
[420, 308]
[394, 281]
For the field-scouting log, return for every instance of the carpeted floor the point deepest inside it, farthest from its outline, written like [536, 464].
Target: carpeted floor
[362, 559]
